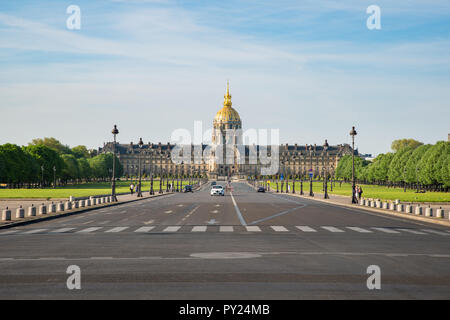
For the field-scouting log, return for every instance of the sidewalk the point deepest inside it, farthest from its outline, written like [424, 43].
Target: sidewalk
[347, 201]
[26, 203]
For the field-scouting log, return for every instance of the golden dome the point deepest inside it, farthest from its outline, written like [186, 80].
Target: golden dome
[227, 115]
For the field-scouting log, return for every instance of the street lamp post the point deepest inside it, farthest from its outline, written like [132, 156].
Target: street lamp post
[54, 177]
[325, 149]
[311, 194]
[140, 144]
[115, 132]
[353, 134]
[42, 176]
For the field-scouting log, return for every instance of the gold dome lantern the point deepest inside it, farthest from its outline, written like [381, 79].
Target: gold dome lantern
[227, 117]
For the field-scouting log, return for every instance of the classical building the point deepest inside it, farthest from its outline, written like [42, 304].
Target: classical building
[228, 156]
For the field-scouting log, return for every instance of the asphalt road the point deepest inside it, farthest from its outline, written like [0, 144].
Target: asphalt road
[245, 245]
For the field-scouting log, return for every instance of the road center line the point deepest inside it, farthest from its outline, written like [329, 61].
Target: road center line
[238, 212]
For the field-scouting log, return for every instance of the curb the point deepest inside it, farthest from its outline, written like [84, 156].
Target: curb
[66, 214]
[395, 214]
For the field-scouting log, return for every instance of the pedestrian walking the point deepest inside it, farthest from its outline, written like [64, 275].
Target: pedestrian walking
[131, 188]
[360, 192]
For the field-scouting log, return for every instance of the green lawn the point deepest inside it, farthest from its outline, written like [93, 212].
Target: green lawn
[80, 190]
[370, 191]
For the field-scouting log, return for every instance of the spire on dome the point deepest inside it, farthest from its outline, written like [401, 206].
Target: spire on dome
[227, 96]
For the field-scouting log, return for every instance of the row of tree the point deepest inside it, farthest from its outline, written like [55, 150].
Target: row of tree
[411, 164]
[46, 160]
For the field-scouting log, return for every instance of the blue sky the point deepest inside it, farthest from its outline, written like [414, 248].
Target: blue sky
[310, 68]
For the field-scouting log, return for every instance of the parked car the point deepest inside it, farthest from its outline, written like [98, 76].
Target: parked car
[213, 183]
[188, 189]
[217, 191]
[261, 189]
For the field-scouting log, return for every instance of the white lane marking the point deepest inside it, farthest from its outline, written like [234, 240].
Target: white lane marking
[412, 231]
[34, 231]
[436, 232]
[217, 205]
[117, 229]
[226, 229]
[279, 228]
[215, 211]
[124, 211]
[386, 230]
[332, 229]
[199, 229]
[144, 229]
[172, 229]
[87, 222]
[253, 228]
[9, 231]
[62, 230]
[306, 229]
[168, 211]
[149, 222]
[104, 222]
[91, 229]
[180, 205]
[238, 212]
[357, 229]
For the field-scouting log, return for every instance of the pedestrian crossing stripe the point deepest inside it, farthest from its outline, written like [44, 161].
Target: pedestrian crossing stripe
[333, 229]
[88, 230]
[306, 229]
[386, 230]
[358, 229]
[225, 229]
[144, 229]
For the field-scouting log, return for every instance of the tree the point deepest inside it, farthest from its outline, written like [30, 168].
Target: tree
[412, 165]
[84, 168]
[101, 166]
[48, 158]
[402, 143]
[17, 167]
[397, 167]
[80, 152]
[431, 164]
[344, 168]
[70, 170]
[53, 144]
[378, 170]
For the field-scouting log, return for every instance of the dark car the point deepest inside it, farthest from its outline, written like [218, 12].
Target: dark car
[261, 189]
[213, 183]
[188, 189]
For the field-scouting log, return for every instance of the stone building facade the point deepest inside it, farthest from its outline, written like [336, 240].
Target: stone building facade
[227, 156]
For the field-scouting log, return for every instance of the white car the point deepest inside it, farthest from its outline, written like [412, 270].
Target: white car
[217, 190]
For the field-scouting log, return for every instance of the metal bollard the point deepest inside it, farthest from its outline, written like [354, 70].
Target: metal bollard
[42, 209]
[6, 214]
[385, 205]
[32, 211]
[75, 204]
[428, 212]
[418, 210]
[68, 205]
[392, 206]
[362, 202]
[60, 207]
[400, 207]
[408, 209]
[94, 201]
[20, 213]
[88, 202]
[440, 213]
[82, 203]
